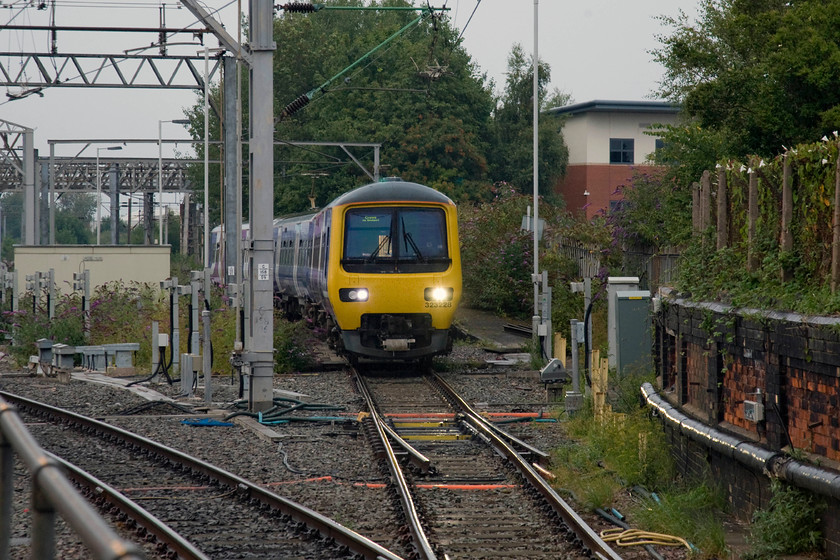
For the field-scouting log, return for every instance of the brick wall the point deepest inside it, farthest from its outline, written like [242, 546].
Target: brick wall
[712, 358]
[789, 366]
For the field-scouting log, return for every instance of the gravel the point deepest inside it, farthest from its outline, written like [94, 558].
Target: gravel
[322, 464]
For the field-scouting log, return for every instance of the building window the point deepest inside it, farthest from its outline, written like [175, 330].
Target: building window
[660, 143]
[621, 150]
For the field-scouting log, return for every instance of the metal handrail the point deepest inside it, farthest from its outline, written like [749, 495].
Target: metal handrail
[52, 493]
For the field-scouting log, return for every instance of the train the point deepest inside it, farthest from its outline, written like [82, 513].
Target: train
[378, 269]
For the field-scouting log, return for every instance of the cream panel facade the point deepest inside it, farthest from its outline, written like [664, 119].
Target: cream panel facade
[106, 263]
[588, 134]
[576, 136]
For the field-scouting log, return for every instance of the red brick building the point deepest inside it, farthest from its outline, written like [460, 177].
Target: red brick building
[607, 141]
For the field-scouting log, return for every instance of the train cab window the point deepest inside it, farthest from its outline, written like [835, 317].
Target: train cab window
[395, 239]
[368, 233]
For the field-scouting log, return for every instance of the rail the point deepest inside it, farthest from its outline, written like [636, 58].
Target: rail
[587, 536]
[51, 492]
[327, 527]
[423, 548]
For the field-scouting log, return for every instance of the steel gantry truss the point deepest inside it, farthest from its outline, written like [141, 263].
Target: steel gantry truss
[78, 175]
[36, 71]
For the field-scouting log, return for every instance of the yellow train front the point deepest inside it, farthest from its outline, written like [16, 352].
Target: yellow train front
[386, 270]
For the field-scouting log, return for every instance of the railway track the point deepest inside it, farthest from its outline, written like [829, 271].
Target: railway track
[191, 508]
[473, 491]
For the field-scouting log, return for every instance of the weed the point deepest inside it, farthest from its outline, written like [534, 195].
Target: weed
[789, 526]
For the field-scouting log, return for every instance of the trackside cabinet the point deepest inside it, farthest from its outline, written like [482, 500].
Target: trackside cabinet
[633, 336]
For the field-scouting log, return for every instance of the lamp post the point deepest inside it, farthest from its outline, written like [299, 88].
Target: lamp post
[160, 172]
[99, 189]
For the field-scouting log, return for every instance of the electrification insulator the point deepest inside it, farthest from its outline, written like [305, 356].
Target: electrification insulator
[294, 106]
[300, 7]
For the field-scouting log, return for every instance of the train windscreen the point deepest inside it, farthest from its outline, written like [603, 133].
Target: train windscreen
[397, 239]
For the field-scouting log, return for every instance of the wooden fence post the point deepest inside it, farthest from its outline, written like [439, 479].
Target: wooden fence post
[722, 210]
[705, 200]
[752, 258]
[786, 240]
[835, 240]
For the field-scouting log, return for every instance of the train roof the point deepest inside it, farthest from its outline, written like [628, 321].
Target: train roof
[392, 189]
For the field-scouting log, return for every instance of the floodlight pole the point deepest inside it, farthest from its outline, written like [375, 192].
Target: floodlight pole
[161, 206]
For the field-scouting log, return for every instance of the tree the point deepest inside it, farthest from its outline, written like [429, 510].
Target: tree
[419, 96]
[764, 73]
[513, 129]
[73, 216]
[74, 220]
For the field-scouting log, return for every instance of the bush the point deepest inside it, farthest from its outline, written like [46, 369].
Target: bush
[26, 327]
[292, 341]
[124, 313]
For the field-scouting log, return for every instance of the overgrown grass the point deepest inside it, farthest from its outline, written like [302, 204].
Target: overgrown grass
[692, 511]
[627, 449]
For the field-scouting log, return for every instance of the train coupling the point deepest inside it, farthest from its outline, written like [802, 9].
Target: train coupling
[397, 344]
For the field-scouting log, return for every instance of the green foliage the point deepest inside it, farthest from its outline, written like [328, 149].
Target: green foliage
[27, 327]
[789, 526]
[764, 73]
[708, 273]
[497, 256]
[512, 128]
[632, 448]
[629, 450]
[421, 97]
[124, 313]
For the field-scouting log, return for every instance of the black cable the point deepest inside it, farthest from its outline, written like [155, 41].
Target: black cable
[782, 422]
[161, 368]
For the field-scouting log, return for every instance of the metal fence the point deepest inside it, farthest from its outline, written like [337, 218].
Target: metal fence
[653, 267]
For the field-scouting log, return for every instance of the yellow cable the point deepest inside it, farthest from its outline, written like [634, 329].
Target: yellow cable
[637, 537]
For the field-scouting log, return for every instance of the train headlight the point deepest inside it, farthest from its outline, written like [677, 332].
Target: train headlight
[438, 294]
[353, 294]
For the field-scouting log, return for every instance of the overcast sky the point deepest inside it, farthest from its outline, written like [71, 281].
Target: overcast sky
[597, 49]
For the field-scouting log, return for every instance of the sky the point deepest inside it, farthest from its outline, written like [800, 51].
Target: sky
[597, 49]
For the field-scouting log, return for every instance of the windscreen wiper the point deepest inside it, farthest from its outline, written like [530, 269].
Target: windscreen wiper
[375, 254]
[407, 236]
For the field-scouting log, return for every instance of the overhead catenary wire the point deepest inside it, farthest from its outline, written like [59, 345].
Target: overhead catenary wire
[304, 99]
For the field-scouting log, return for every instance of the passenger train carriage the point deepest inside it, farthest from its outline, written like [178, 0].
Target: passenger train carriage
[379, 268]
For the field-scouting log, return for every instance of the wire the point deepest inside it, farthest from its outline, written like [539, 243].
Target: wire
[468, 22]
